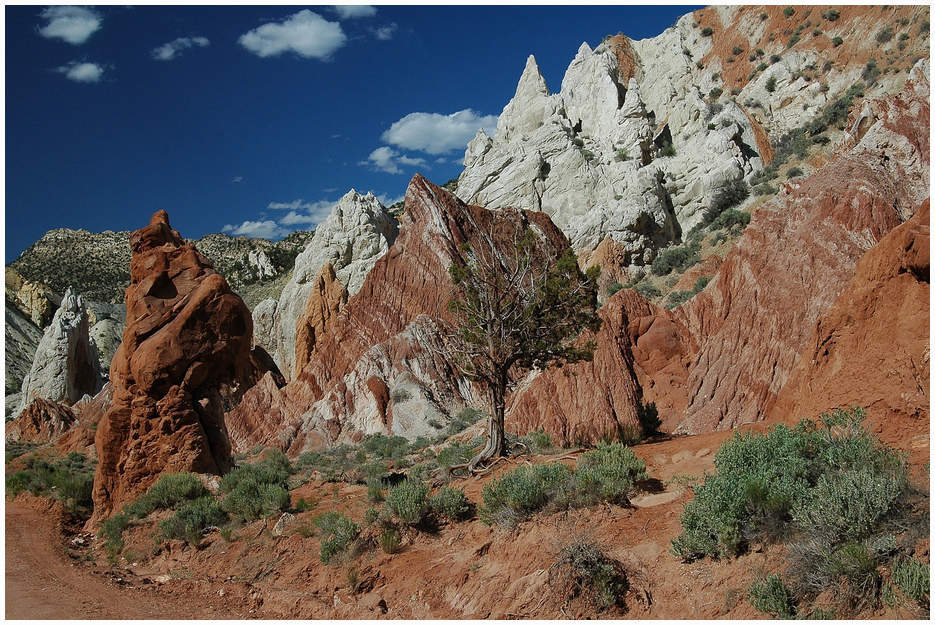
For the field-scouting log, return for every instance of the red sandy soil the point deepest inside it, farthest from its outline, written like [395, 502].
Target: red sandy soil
[464, 570]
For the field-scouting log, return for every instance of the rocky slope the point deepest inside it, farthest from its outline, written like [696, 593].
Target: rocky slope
[721, 359]
[642, 135]
[355, 235]
[379, 370]
[184, 358]
[98, 264]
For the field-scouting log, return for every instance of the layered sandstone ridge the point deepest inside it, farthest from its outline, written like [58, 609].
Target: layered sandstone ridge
[871, 348]
[355, 235]
[721, 359]
[184, 357]
[380, 368]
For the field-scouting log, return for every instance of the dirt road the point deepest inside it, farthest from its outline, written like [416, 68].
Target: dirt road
[44, 583]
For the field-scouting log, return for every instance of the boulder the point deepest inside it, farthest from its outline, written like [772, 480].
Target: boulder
[185, 358]
[65, 365]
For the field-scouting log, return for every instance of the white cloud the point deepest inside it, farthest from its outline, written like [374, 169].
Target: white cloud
[303, 213]
[70, 23]
[387, 159]
[305, 33]
[435, 133]
[385, 33]
[237, 179]
[168, 51]
[258, 229]
[82, 72]
[350, 11]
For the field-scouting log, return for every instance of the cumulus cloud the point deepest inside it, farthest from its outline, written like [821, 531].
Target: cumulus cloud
[237, 179]
[350, 11]
[387, 159]
[70, 23]
[168, 51]
[305, 33]
[82, 71]
[257, 229]
[385, 33]
[436, 133]
[388, 200]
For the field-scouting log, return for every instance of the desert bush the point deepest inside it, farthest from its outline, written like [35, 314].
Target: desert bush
[699, 286]
[737, 50]
[608, 473]
[374, 490]
[678, 258]
[537, 441]
[837, 41]
[521, 492]
[884, 34]
[730, 218]
[769, 594]
[338, 531]
[390, 540]
[788, 11]
[15, 449]
[676, 298]
[385, 447]
[911, 576]
[763, 481]
[764, 189]
[667, 150]
[455, 453]
[648, 414]
[622, 154]
[254, 491]
[707, 31]
[407, 501]
[464, 419]
[68, 479]
[450, 503]
[728, 196]
[715, 93]
[771, 84]
[613, 289]
[112, 532]
[192, 518]
[583, 569]
[647, 290]
[831, 15]
[170, 490]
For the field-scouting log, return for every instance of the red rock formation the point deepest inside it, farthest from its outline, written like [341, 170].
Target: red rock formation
[612, 259]
[872, 347]
[381, 338]
[42, 421]
[185, 355]
[326, 299]
[721, 359]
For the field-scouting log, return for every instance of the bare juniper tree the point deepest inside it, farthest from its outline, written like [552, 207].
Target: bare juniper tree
[513, 310]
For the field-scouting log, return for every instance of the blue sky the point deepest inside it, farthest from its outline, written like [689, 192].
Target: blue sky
[258, 118]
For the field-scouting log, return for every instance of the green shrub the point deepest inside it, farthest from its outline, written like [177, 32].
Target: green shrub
[589, 572]
[588, 155]
[259, 490]
[771, 84]
[338, 531]
[728, 196]
[667, 150]
[794, 39]
[911, 576]
[15, 449]
[613, 289]
[521, 492]
[678, 258]
[707, 31]
[648, 414]
[700, 284]
[837, 41]
[828, 483]
[770, 595]
[170, 490]
[408, 501]
[871, 72]
[737, 50]
[730, 218]
[537, 441]
[192, 518]
[622, 154]
[112, 532]
[370, 516]
[884, 34]
[68, 479]
[647, 290]
[831, 15]
[715, 93]
[450, 503]
[385, 447]
[764, 189]
[455, 453]
[788, 11]
[390, 540]
[465, 419]
[677, 298]
[608, 473]
[374, 490]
